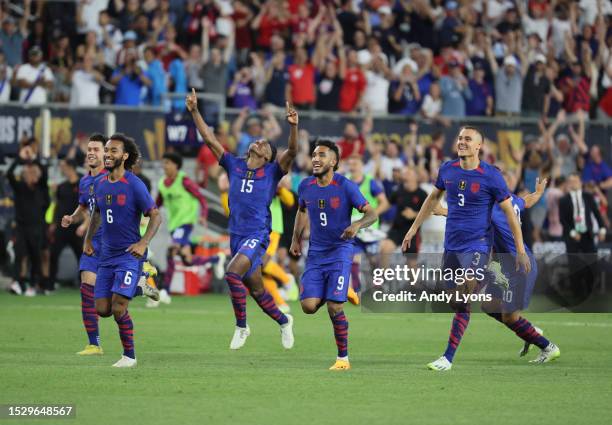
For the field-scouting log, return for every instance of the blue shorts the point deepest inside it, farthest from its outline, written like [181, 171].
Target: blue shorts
[89, 263]
[327, 281]
[464, 266]
[252, 246]
[520, 285]
[121, 278]
[182, 235]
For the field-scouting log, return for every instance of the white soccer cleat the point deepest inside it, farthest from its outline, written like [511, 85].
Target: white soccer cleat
[219, 267]
[15, 288]
[164, 297]
[148, 290]
[151, 303]
[30, 292]
[240, 337]
[286, 330]
[440, 364]
[550, 353]
[125, 361]
[527, 345]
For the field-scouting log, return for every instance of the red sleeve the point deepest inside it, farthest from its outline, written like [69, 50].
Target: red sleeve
[191, 187]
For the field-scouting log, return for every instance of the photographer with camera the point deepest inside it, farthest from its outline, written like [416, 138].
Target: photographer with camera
[129, 80]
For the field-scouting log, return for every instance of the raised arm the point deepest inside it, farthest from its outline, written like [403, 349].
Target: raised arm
[205, 131]
[286, 158]
[522, 260]
[532, 198]
[428, 207]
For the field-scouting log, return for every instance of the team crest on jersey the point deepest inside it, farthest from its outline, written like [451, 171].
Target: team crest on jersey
[321, 203]
[121, 199]
[91, 189]
[260, 173]
[109, 199]
[462, 185]
[475, 187]
[334, 202]
[249, 174]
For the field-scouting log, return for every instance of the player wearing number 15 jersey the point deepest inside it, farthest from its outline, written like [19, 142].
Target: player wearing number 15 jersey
[121, 199]
[327, 200]
[253, 181]
[472, 188]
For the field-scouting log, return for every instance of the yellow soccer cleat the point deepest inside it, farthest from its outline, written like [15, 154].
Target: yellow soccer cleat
[341, 365]
[149, 269]
[91, 350]
[352, 296]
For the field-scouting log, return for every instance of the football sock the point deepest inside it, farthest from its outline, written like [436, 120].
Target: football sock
[355, 279]
[272, 288]
[169, 271]
[460, 323]
[89, 314]
[266, 302]
[276, 271]
[340, 333]
[238, 293]
[126, 333]
[525, 330]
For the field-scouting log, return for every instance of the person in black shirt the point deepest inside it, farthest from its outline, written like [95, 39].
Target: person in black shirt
[31, 197]
[328, 88]
[537, 87]
[408, 199]
[276, 80]
[66, 198]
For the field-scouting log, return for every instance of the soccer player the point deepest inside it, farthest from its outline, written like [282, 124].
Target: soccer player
[88, 264]
[472, 187]
[186, 206]
[327, 200]
[508, 301]
[120, 200]
[253, 183]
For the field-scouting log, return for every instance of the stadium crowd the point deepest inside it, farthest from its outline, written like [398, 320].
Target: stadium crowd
[433, 58]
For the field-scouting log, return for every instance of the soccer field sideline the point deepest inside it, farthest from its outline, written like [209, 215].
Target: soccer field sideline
[186, 372]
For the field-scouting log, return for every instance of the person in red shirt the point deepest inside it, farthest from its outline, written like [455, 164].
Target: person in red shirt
[301, 86]
[353, 85]
[271, 19]
[575, 88]
[353, 142]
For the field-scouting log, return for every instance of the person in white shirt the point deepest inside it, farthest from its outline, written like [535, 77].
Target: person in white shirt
[34, 78]
[6, 74]
[85, 89]
[376, 95]
[87, 15]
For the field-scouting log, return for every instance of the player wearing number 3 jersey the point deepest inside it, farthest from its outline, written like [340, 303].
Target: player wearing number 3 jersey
[327, 200]
[253, 181]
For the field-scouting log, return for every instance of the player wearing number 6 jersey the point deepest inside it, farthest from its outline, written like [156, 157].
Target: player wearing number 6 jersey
[252, 185]
[472, 188]
[121, 199]
[327, 200]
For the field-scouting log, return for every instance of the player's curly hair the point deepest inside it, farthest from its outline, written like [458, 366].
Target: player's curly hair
[129, 146]
[98, 137]
[332, 147]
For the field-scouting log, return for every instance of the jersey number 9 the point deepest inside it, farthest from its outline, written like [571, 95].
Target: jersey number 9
[323, 218]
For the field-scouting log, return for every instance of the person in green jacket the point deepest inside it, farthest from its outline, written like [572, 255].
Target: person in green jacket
[185, 206]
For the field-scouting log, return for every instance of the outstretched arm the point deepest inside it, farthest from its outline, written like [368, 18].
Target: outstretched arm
[205, 131]
[532, 198]
[286, 158]
[428, 207]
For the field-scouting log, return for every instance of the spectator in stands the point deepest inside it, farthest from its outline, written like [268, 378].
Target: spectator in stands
[6, 76]
[66, 197]
[404, 93]
[536, 83]
[242, 89]
[552, 196]
[85, 90]
[353, 83]
[34, 78]
[508, 85]
[12, 37]
[301, 87]
[129, 81]
[576, 85]
[376, 95]
[353, 142]
[455, 91]
[109, 39]
[432, 103]
[596, 170]
[481, 101]
[155, 72]
[254, 131]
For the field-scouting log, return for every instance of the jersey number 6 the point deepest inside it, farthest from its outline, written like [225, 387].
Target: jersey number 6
[109, 216]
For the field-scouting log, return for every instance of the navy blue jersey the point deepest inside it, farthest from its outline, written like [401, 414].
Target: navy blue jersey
[88, 200]
[250, 194]
[329, 210]
[503, 241]
[121, 205]
[470, 195]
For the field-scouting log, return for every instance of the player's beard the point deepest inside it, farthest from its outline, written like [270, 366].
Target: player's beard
[324, 170]
[116, 164]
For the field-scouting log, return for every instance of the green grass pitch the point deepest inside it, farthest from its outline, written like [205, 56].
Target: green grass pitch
[186, 373]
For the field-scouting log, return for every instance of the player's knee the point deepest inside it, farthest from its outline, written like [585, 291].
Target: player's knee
[118, 310]
[309, 308]
[334, 308]
[103, 310]
[510, 318]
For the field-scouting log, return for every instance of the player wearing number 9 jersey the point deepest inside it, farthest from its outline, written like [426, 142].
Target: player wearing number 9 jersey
[326, 201]
[472, 187]
[121, 199]
[253, 181]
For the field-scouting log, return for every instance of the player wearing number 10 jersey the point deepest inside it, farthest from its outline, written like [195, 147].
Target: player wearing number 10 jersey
[253, 181]
[121, 199]
[327, 200]
[472, 188]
